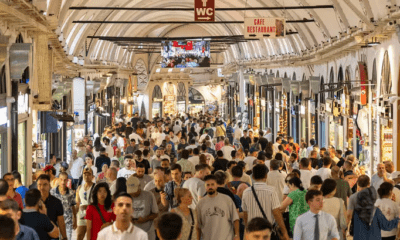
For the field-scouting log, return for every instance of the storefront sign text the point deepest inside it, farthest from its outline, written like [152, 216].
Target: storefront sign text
[264, 27]
[204, 10]
[169, 98]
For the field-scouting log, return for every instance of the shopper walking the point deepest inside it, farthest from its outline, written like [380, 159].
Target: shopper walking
[188, 215]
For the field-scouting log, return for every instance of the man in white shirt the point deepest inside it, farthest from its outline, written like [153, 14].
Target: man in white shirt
[380, 177]
[311, 147]
[306, 172]
[135, 136]
[276, 144]
[315, 224]
[203, 136]
[227, 150]
[129, 168]
[76, 168]
[268, 199]
[122, 228]
[249, 160]
[195, 159]
[196, 184]
[268, 135]
[325, 171]
[238, 134]
[199, 127]
[276, 178]
[109, 149]
[177, 127]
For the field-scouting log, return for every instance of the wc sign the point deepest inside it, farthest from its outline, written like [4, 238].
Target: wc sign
[204, 10]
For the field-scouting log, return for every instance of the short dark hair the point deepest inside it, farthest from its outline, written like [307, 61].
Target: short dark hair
[185, 154]
[32, 197]
[200, 167]
[230, 163]
[138, 153]
[9, 204]
[328, 186]
[140, 165]
[312, 141]
[305, 162]
[327, 161]
[3, 187]
[260, 171]
[214, 177]
[196, 151]
[17, 176]
[237, 171]
[220, 153]
[102, 149]
[384, 189]
[175, 167]
[7, 229]
[43, 177]
[169, 226]
[363, 181]
[275, 164]
[311, 194]
[316, 180]
[122, 194]
[116, 163]
[258, 224]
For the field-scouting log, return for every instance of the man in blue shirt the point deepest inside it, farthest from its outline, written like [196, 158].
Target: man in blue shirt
[10, 208]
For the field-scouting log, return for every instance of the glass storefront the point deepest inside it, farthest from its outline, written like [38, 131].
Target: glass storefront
[157, 109]
[22, 150]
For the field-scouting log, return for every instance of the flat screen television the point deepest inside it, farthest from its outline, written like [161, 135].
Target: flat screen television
[185, 54]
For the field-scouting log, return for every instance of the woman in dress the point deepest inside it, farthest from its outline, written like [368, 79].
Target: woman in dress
[388, 207]
[189, 216]
[101, 204]
[296, 201]
[334, 206]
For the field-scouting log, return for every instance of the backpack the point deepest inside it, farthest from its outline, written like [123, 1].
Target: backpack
[231, 188]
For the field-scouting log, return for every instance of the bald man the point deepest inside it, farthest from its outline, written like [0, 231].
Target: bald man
[159, 194]
[381, 176]
[343, 189]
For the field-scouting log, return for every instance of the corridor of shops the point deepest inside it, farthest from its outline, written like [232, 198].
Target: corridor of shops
[106, 88]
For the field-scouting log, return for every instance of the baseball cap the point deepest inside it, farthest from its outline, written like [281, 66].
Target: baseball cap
[87, 170]
[132, 184]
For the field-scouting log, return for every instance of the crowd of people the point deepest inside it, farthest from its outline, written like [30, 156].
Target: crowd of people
[200, 177]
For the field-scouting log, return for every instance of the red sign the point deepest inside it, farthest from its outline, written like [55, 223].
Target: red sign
[363, 82]
[188, 46]
[204, 10]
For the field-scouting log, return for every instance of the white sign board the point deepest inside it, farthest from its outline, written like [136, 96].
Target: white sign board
[3, 115]
[23, 103]
[264, 27]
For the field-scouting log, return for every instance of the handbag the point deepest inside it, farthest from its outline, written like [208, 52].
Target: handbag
[275, 228]
[191, 227]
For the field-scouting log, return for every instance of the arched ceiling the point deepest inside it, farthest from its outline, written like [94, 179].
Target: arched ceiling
[329, 23]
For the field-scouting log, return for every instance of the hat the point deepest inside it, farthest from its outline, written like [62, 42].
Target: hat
[48, 168]
[348, 173]
[132, 184]
[87, 170]
[64, 165]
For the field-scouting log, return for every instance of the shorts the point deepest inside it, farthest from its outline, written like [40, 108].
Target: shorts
[81, 221]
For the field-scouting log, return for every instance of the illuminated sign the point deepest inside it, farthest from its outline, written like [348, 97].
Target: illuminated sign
[363, 82]
[264, 27]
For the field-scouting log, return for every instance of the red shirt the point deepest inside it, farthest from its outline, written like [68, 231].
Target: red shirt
[18, 199]
[94, 216]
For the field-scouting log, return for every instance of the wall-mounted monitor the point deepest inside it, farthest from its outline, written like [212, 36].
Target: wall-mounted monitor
[185, 54]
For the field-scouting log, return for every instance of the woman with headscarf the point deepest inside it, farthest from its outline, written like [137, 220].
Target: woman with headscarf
[368, 219]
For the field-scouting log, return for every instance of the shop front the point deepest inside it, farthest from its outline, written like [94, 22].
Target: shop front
[3, 136]
[169, 105]
[157, 102]
[181, 100]
[196, 102]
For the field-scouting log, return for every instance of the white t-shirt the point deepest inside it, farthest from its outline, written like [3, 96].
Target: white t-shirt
[136, 137]
[390, 210]
[376, 181]
[76, 168]
[227, 152]
[324, 173]
[305, 177]
[197, 188]
[249, 160]
[110, 151]
[123, 172]
[111, 232]
[195, 160]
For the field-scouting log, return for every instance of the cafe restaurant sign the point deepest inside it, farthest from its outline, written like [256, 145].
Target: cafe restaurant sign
[255, 28]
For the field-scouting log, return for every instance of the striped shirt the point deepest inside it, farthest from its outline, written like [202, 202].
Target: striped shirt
[268, 198]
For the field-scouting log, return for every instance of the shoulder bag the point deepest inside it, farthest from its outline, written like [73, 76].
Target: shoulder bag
[101, 215]
[275, 228]
[191, 227]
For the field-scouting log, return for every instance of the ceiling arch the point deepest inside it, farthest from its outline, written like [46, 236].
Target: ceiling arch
[328, 24]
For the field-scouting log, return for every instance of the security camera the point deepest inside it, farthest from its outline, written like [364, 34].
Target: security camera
[392, 100]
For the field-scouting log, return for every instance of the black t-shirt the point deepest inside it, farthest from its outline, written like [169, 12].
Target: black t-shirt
[263, 141]
[39, 222]
[245, 141]
[341, 162]
[220, 164]
[146, 165]
[54, 208]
